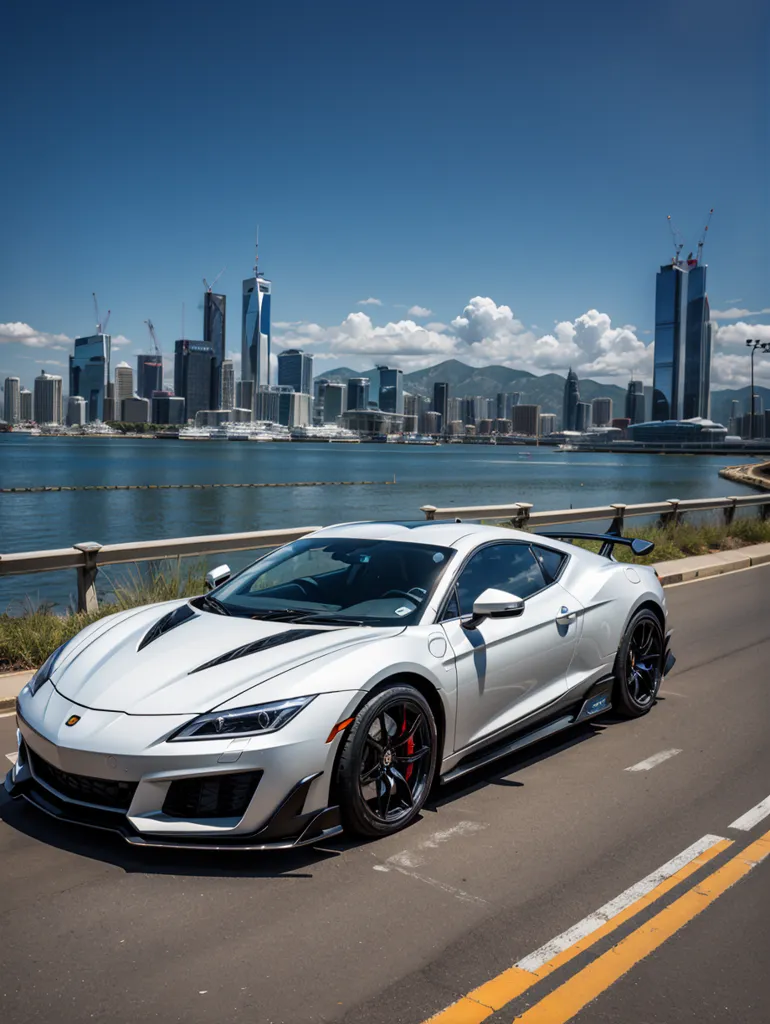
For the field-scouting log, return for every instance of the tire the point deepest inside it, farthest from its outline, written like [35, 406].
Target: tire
[383, 784]
[638, 667]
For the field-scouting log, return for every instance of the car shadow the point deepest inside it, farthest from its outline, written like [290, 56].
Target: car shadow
[110, 848]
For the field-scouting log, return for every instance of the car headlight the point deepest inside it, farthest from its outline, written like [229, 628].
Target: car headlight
[45, 671]
[250, 721]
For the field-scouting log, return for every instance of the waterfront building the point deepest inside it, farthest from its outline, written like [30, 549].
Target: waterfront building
[255, 329]
[110, 413]
[358, 393]
[582, 416]
[421, 408]
[124, 387]
[272, 403]
[455, 427]
[635, 401]
[300, 410]
[504, 402]
[12, 400]
[547, 423]
[570, 403]
[295, 369]
[441, 400]
[149, 375]
[227, 377]
[525, 419]
[735, 415]
[454, 409]
[503, 426]
[166, 408]
[486, 426]
[244, 394]
[47, 403]
[372, 421]
[410, 424]
[470, 412]
[135, 410]
[683, 342]
[214, 324]
[601, 412]
[77, 411]
[25, 405]
[239, 415]
[89, 367]
[389, 399]
[433, 422]
[392, 378]
[194, 376]
[334, 401]
[678, 432]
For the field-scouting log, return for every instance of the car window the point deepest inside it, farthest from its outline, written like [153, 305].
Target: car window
[550, 561]
[509, 567]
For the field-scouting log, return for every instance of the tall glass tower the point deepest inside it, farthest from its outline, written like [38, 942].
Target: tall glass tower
[683, 336]
[90, 372]
[570, 403]
[255, 333]
[295, 368]
[214, 322]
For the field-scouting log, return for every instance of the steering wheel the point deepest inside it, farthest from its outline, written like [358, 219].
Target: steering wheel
[310, 586]
[410, 595]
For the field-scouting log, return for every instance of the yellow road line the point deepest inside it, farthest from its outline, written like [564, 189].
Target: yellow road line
[494, 994]
[569, 999]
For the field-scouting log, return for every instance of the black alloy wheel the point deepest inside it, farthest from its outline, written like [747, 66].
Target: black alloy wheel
[639, 665]
[388, 761]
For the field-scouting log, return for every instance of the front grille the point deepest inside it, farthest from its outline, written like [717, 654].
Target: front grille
[104, 792]
[211, 796]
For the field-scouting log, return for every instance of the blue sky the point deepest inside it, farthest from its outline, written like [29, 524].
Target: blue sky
[419, 153]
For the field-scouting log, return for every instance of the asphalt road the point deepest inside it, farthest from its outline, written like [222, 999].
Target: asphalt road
[397, 930]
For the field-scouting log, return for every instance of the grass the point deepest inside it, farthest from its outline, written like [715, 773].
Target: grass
[27, 639]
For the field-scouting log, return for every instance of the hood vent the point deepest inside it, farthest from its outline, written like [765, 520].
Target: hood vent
[259, 645]
[170, 621]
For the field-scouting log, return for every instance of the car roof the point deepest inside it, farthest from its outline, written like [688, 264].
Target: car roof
[445, 534]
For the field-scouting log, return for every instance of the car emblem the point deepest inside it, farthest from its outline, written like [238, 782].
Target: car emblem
[72, 720]
[387, 758]
[564, 609]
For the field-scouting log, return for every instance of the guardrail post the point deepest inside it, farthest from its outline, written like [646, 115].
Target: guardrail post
[729, 510]
[519, 521]
[429, 510]
[87, 599]
[616, 526]
[670, 518]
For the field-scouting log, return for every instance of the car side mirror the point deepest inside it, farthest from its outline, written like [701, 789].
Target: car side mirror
[494, 604]
[217, 576]
[641, 547]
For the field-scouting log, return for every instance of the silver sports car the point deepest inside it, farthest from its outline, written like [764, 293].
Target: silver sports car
[334, 681]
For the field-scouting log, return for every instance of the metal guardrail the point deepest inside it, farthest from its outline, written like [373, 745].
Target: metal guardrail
[88, 557]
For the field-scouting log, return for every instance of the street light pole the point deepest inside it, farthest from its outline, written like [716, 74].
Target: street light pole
[754, 344]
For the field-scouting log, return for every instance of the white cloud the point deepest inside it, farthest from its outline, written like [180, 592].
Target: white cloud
[370, 302]
[22, 334]
[419, 311]
[120, 341]
[733, 313]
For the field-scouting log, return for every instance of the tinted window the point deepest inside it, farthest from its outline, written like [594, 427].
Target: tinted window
[550, 561]
[508, 567]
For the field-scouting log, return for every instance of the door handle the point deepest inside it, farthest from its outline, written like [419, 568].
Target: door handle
[565, 617]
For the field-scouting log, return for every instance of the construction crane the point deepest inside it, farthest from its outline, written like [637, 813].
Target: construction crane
[678, 240]
[702, 241]
[101, 326]
[156, 347]
[209, 287]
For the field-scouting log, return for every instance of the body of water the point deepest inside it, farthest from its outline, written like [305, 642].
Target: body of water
[441, 476]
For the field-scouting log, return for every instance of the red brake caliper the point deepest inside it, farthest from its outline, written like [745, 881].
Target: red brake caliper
[409, 749]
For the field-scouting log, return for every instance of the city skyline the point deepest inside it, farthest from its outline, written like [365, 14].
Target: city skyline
[532, 252]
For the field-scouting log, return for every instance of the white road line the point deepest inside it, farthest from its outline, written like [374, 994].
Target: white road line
[8, 714]
[413, 858]
[589, 924]
[751, 818]
[12, 757]
[459, 894]
[652, 762]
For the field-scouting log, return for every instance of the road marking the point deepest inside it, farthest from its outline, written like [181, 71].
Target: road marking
[751, 818]
[568, 999]
[460, 894]
[414, 858]
[494, 994]
[12, 757]
[8, 714]
[652, 762]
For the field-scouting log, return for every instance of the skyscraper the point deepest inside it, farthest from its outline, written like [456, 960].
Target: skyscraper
[228, 384]
[25, 405]
[76, 411]
[526, 419]
[441, 401]
[635, 401]
[255, 328]
[582, 416]
[570, 404]
[683, 340]
[601, 412]
[392, 378]
[124, 387]
[334, 401]
[214, 323]
[90, 372]
[295, 369]
[47, 406]
[194, 376]
[11, 400]
[149, 375]
[166, 408]
[358, 393]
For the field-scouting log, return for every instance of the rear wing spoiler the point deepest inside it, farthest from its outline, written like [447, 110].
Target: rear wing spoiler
[608, 541]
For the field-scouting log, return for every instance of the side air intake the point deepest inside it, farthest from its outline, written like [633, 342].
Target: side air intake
[259, 645]
[170, 621]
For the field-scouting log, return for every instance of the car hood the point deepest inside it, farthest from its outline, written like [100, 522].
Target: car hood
[109, 670]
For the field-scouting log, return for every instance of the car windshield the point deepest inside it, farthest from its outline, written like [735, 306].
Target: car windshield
[346, 579]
